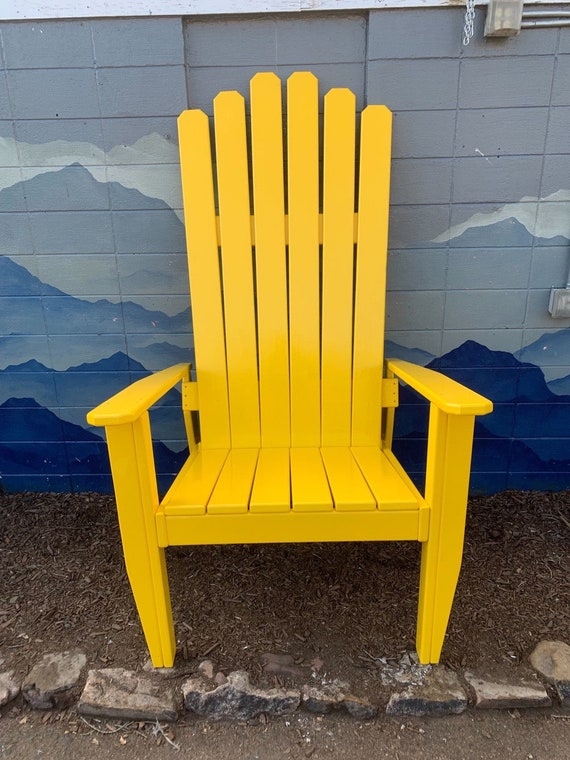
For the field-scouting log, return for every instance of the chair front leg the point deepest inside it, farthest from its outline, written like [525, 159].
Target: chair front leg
[134, 478]
[447, 483]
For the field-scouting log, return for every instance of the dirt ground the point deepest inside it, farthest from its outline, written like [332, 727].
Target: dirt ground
[345, 607]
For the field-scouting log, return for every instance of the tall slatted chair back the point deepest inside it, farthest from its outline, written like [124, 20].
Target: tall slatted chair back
[289, 328]
[287, 260]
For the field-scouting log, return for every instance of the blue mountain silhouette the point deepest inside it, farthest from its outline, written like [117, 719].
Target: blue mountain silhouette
[549, 349]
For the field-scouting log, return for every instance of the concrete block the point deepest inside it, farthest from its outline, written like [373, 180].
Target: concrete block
[5, 108]
[53, 681]
[537, 314]
[505, 179]
[506, 692]
[484, 309]
[16, 234]
[506, 82]
[154, 231]
[423, 134]
[7, 130]
[39, 131]
[440, 693]
[127, 131]
[557, 139]
[241, 42]
[496, 340]
[501, 131]
[320, 39]
[481, 225]
[21, 314]
[12, 196]
[98, 273]
[53, 93]
[413, 85]
[416, 226]
[237, 699]
[422, 269]
[71, 188]
[488, 268]
[205, 83]
[72, 232]
[123, 694]
[415, 33]
[555, 174]
[409, 310]
[138, 41]
[540, 42]
[47, 45]
[142, 91]
[553, 223]
[420, 180]
[560, 89]
[549, 267]
[147, 274]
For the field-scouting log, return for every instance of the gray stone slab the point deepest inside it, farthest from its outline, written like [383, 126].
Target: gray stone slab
[487, 178]
[506, 692]
[240, 42]
[440, 693]
[501, 131]
[420, 180]
[320, 39]
[237, 699]
[413, 33]
[142, 91]
[413, 85]
[9, 687]
[138, 41]
[506, 82]
[423, 134]
[53, 93]
[54, 680]
[560, 89]
[552, 660]
[123, 694]
[47, 45]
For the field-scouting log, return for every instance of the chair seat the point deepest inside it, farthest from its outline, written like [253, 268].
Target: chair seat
[269, 480]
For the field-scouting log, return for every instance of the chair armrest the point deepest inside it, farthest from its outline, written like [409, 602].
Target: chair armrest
[128, 405]
[447, 394]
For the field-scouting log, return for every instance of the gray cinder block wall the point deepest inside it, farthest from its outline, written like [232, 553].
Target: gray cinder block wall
[93, 290]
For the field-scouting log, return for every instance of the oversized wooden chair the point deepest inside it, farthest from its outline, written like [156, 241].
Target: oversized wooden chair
[288, 274]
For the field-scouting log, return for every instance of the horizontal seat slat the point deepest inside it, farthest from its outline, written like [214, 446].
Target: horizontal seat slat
[349, 489]
[232, 491]
[194, 484]
[390, 491]
[309, 485]
[272, 485]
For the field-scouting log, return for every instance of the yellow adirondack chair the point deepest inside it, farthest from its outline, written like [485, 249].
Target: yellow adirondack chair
[296, 411]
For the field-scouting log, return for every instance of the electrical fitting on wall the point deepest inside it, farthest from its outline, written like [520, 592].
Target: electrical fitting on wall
[504, 18]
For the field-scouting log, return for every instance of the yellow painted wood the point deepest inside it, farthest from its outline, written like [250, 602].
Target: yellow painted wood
[190, 396]
[270, 258]
[337, 266]
[272, 484]
[292, 526]
[237, 268]
[303, 209]
[132, 466]
[130, 403]
[447, 394]
[310, 490]
[232, 491]
[286, 223]
[203, 265]
[190, 492]
[390, 491]
[349, 488]
[370, 290]
[447, 483]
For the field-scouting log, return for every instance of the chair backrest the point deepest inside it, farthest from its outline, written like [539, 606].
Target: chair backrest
[287, 259]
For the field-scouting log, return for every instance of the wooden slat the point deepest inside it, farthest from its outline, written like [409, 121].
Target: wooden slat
[370, 294]
[270, 258]
[207, 316]
[303, 208]
[233, 489]
[388, 487]
[338, 263]
[310, 490]
[272, 485]
[349, 489]
[237, 268]
[194, 484]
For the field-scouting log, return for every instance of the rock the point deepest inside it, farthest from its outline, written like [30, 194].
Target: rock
[237, 699]
[552, 660]
[440, 693]
[53, 681]
[119, 693]
[281, 665]
[148, 667]
[9, 687]
[321, 700]
[506, 693]
[220, 678]
[359, 708]
[207, 669]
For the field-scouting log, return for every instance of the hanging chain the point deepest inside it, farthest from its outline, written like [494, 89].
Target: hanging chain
[469, 20]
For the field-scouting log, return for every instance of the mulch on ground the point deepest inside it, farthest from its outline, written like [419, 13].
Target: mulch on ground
[63, 585]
